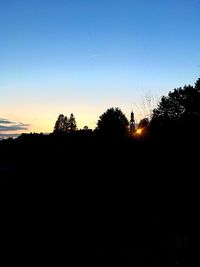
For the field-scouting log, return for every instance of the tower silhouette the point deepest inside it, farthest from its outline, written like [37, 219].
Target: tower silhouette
[132, 123]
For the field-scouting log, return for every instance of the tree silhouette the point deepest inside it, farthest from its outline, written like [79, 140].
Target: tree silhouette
[181, 105]
[66, 124]
[85, 128]
[72, 123]
[143, 123]
[113, 123]
[60, 125]
[197, 85]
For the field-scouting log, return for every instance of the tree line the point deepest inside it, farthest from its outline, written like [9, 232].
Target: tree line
[137, 195]
[180, 109]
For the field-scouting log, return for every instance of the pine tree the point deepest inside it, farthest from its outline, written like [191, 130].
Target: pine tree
[66, 124]
[60, 125]
[72, 123]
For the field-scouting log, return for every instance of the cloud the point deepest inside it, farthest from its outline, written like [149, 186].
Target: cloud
[15, 127]
[4, 121]
[10, 126]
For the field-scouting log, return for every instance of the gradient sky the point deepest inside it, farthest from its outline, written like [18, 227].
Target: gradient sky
[84, 56]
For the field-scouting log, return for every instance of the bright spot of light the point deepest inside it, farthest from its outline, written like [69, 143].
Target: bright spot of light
[139, 131]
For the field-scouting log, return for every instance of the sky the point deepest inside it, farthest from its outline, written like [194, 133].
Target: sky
[84, 56]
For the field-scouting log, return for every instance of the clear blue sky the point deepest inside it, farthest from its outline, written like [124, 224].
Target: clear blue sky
[84, 56]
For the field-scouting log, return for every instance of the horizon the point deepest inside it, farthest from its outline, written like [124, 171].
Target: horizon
[24, 128]
[85, 57]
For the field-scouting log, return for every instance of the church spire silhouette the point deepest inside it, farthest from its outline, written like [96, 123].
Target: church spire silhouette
[132, 123]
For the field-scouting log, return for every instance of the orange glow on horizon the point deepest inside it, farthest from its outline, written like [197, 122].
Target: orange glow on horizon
[139, 131]
[41, 117]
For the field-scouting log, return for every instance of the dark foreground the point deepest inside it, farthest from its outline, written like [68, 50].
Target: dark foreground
[102, 202]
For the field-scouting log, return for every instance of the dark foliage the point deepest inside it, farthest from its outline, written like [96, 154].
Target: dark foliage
[127, 197]
[72, 123]
[113, 123]
[179, 112]
[110, 201]
[65, 125]
[143, 123]
[61, 124]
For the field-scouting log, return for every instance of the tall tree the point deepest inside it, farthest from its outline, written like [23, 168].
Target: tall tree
[197, 85]
[180, 109]
[65, 124]
[60, 124]
[72, 123]
[113, 122]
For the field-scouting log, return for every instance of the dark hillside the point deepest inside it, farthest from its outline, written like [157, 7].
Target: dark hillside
[123, 200]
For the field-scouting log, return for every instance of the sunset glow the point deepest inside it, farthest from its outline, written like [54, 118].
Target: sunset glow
[83, 57]
[139, 131]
